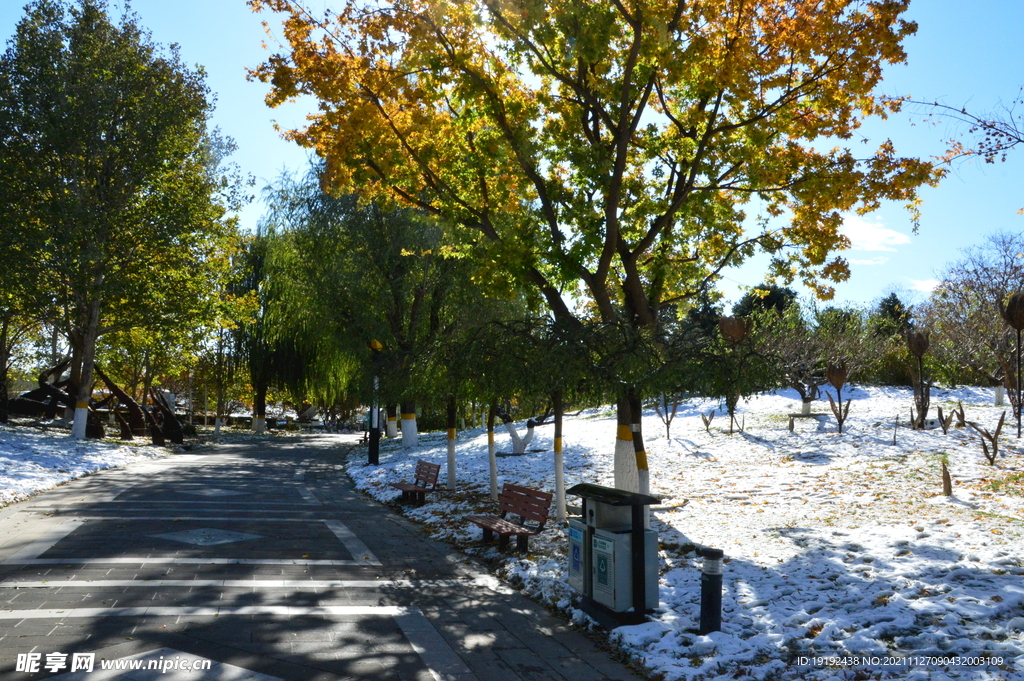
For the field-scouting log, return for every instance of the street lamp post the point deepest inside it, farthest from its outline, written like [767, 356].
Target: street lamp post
[373, 454]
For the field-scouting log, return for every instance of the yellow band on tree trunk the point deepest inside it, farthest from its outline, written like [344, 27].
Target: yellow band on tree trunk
[625, 433]
[490, 437]
[392, 418]
[451, 433]
[81, 405]
[408, 417]
[641, 460]
[558, 445]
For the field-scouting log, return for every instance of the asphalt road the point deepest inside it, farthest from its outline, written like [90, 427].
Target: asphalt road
[260, 562]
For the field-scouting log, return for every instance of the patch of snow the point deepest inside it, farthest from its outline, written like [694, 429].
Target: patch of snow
[32, 461]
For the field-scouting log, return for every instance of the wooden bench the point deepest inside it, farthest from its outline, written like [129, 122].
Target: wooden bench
[522, 502]
[424, 480]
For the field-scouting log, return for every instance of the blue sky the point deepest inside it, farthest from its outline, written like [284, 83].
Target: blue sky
[964, 54]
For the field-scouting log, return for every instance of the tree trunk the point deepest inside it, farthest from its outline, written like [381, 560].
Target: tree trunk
[556, 402]
[91, 333]
[218, 421]
[147, 379]
[639, 452]
[492, 455]
[392, 424]
[805, 407]
[3, 369]
[259, 409]
[75, 379]
[1000, 396]
[451, 442]
[410, 436]
[625, 465]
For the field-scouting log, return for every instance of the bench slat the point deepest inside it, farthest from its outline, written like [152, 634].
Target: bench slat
[424, 480]
[528, 504]
[500, 525]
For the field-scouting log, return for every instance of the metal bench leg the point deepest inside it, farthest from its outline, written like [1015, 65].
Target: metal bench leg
[488, 535]
[522, 542]
[503, 542]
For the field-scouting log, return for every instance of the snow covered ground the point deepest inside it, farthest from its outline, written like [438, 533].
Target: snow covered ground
[843, 559]
[838, 547]
[32, 461]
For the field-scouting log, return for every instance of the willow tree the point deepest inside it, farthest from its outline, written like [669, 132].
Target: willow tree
[345, 273]
[609, 148]
[103, 139]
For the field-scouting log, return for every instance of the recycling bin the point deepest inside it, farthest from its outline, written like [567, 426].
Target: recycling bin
[613, 559]
[612, 571]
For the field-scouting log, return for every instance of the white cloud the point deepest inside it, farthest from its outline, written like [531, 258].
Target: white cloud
[871, 236]
[879, 260]
[925, 285]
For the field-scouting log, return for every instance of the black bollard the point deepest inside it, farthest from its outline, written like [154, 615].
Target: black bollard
[711, 591]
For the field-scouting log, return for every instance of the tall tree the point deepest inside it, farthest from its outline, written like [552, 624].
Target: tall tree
[609, 146]
[104, 139]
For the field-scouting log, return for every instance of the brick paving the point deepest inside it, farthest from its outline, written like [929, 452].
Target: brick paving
[262, 560]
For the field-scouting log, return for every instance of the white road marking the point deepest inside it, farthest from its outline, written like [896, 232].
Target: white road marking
[146, 502]
[205, 518]
[27, 555]
[176, 611]
[229, 583]
[174, 560]
[351, 542]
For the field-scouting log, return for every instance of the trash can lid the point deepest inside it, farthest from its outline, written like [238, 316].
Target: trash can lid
[611, 496]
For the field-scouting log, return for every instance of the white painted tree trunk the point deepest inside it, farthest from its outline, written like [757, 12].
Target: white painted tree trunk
[805, 408]
[410, 436]
[1000, 398]
[392, 426]
[259, 424]
[81, 416]
[627, 476]
[216, 427]
[519, 443]
[451, 459]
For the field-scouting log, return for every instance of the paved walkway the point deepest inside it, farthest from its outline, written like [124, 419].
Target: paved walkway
[260, 561]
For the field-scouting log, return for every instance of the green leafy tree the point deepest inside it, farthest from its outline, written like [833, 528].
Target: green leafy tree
[104, 139]
[765, 297]
[890, 320]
